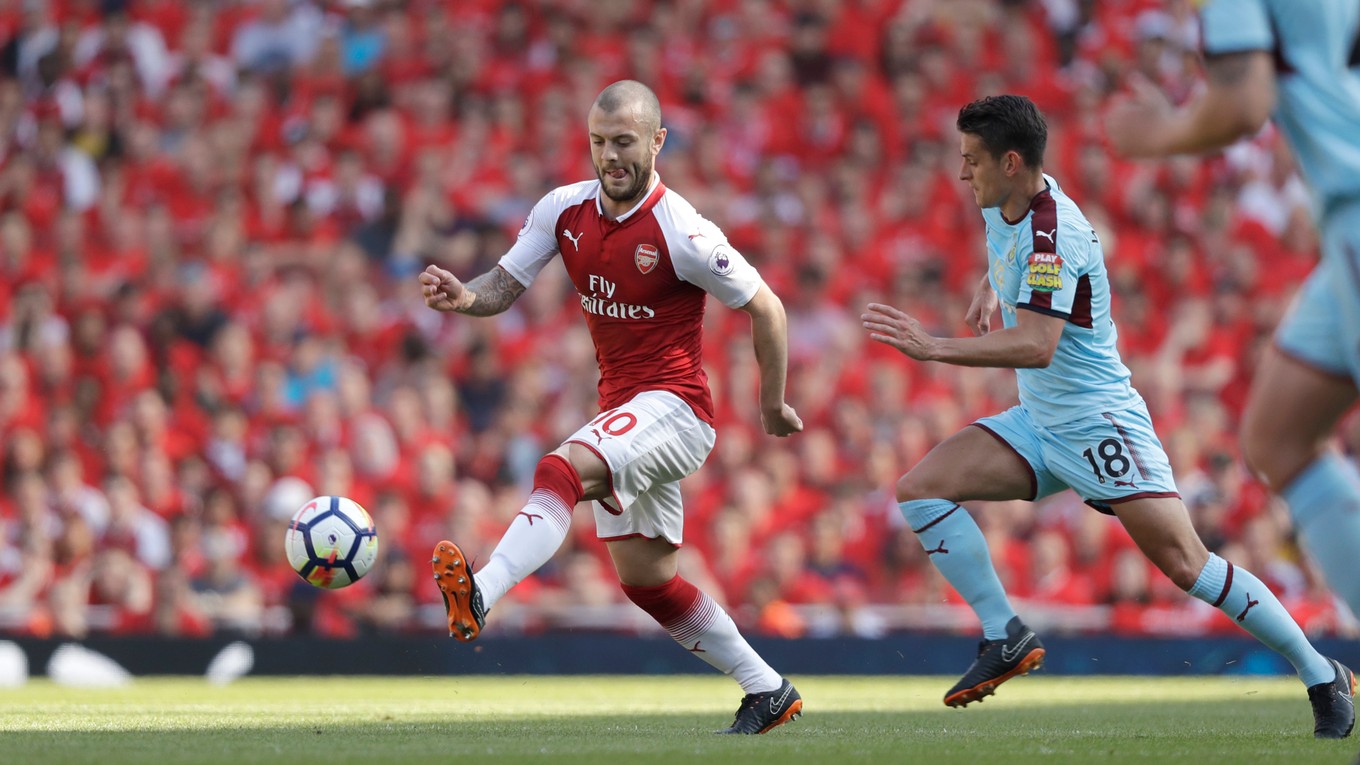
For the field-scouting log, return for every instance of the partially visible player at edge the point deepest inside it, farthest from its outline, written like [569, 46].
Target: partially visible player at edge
[1301, 60]
[1079, 423]
[644, 262]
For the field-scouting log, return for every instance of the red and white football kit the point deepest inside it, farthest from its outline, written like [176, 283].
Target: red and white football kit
[643, 280]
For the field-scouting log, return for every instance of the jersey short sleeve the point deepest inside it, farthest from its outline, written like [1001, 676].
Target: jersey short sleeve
[1052, 270]
[1235, 26]
[536, 244]
[702, 256]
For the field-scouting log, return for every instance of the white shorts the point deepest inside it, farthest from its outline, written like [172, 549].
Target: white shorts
[649, 444]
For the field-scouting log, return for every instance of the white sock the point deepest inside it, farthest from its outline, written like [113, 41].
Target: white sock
[532, 538]
[714, 637]
[703, 628]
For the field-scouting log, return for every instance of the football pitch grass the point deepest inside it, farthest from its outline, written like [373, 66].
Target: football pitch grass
[658, 720]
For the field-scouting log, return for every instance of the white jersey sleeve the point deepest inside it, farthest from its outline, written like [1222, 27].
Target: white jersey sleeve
[536, 244]
[702, 256]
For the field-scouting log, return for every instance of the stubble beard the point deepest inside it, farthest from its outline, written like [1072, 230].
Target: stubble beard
[642, 175]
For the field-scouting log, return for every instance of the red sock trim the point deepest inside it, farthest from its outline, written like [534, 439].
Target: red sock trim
[667, 603]
[556, 475]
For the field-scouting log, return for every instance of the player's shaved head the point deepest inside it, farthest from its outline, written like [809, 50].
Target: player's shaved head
[631, 95]
[625, 138]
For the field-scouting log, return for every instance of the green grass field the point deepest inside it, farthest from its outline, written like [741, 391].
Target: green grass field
[652, 721]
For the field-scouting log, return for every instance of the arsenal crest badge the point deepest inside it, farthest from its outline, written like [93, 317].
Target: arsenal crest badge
[646, 257]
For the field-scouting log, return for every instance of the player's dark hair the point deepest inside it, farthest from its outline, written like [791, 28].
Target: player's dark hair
[626, 93]
[1007, 123]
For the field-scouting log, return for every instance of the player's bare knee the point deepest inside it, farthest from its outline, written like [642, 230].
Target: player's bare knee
[1276, 459]
[1182, 567]
[590, 469]
[1181, 576]
[906, 489]
[642, 578]
[1274, 452]
[1261, 456]
[644, 562]
[914, 486]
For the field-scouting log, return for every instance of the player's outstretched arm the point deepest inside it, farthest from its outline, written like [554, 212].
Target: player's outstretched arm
[770, 333]
[1236, 102]
[1030, 344]
[486, 295]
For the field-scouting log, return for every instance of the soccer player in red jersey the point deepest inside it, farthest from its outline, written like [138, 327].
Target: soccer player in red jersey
[644, 262]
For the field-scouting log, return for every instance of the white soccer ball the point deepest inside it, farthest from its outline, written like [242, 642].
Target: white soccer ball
[331, 542]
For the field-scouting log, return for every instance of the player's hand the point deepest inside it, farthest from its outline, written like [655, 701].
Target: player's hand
[981, 310]
[1136, 120]
[781, 422]
[894, 328]
[443, 291]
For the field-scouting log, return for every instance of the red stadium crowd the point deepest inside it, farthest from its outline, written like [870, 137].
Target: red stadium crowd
[212, 214]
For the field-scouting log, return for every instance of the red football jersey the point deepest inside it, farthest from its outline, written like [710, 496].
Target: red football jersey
[643, 280]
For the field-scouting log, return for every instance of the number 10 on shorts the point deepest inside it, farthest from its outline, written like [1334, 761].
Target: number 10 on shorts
[612, 422]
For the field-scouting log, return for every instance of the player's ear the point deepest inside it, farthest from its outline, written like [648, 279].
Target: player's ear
[658, 140]
[1010, 162]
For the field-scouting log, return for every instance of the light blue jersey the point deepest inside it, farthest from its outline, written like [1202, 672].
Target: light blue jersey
[1051, 261]
[1317, 60]
[1316, 46]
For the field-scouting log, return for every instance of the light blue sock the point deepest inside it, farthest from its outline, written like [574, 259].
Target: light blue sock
[1325, 503]
[1238, 593]
[957, 548]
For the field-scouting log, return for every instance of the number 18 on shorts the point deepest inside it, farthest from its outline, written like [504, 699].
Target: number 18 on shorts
[1106, 458]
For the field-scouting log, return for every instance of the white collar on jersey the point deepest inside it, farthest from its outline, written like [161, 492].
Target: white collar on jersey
[599, 206]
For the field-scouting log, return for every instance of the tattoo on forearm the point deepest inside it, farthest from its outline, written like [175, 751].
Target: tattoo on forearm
[496, 290]
[1228, 69]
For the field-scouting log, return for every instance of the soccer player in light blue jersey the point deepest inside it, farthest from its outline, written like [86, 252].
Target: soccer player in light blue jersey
[1079, 423]
[1299, 59]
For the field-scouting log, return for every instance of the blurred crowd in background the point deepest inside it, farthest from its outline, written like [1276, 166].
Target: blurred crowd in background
[212, 213]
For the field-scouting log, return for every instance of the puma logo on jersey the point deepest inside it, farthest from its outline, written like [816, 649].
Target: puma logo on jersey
[529, 516]
[695, 235]
[941, 549]
[1250, 603]
[1047, 234]
[575, 240]
[696, 648]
